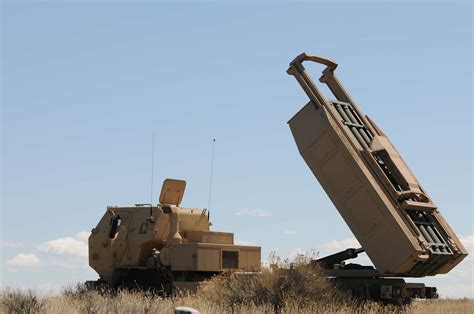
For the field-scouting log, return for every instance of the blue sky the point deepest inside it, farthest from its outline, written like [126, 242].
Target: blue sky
[84, 86]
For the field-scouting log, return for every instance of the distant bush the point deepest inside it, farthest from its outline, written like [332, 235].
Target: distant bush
[18, 301]
[286, 282]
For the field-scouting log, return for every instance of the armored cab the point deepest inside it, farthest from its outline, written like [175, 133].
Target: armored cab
[398, 225]
[164, 246]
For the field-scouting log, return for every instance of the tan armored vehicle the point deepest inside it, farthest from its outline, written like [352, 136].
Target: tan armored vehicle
[398, 225]
[164, 246]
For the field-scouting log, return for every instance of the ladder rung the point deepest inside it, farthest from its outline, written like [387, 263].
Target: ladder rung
[413, 205]
[354, 125]
[423, 223]
[337, 102]
[437, 244]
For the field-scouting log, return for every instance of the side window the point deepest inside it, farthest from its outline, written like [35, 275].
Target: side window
[230, 259]
[114, 224]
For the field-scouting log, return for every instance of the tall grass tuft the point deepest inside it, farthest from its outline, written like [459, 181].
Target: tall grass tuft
[18, 301]
[287, 282]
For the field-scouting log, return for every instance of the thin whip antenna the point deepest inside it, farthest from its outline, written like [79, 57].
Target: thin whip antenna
[152, 166]
[210, 178]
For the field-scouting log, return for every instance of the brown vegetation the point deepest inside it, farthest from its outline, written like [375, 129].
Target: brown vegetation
[286, 283]
[291, 288]
[17, 301]
[139, 302]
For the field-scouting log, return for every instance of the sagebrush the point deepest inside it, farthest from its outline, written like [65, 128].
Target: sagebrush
[295, 282]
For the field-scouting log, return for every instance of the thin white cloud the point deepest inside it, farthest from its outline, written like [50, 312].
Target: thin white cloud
[66, 252]
[23, 260]
[335, 246]
[83, 235]
[289, 232]
[11, 244]
[66, 262]
[341, 244]
[256, 212]
[244, 242]
[65, 247]
[467, 241]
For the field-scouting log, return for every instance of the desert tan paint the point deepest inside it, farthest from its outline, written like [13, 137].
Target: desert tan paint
[344, 154]
[182, 237]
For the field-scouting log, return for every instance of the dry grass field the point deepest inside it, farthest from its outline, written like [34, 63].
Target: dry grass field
[126, 302]
[301, 289]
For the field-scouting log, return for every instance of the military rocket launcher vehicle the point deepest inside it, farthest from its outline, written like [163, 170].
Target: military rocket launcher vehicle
[398, 225]
[394, 219]
[164, 246]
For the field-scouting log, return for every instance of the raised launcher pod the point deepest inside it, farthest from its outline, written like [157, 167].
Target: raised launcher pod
[382, 202]
[164, 246]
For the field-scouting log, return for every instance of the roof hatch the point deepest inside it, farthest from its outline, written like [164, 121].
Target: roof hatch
[172, 191]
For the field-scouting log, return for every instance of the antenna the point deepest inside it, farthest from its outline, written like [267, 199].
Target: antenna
[152, 164]
[210, 177]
